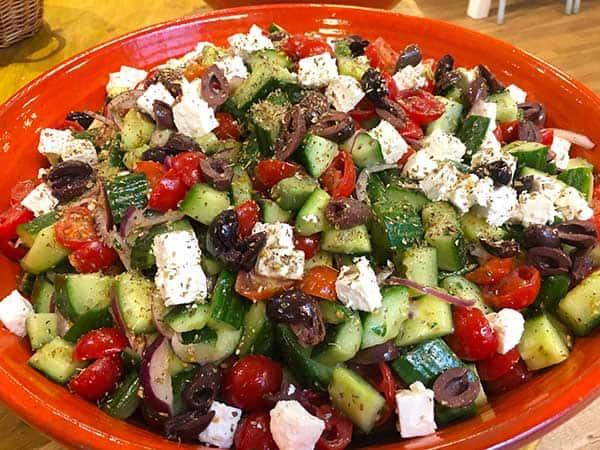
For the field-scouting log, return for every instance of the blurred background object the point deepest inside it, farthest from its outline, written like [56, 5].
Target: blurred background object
[382, 4]
[19, 19]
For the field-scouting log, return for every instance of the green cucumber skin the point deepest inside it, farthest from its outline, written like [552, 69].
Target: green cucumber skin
[124, 400]
[125, 191]
[227, 305]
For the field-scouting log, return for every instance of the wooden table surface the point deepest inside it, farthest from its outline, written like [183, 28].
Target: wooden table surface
[572, 43]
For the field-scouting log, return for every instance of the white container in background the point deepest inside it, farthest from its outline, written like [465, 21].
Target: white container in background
[479, 9]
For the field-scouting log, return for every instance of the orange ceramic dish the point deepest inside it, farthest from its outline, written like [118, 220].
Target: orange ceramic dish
[510, 420]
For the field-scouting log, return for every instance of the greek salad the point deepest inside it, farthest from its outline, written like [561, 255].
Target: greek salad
[296, 242]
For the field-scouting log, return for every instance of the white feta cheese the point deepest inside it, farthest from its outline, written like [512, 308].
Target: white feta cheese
[279, 234]
[471, 191]
[438, 185]
[125, 79]
[560, 147]
[61, 144]
[410, 77]
[344, 93]
[244, 44]
[14, 311]
[419, 165]
[517, 94]
[317, 71]
[488, 155]
[468, 75]
[547, 186]
[233, 67]
[490, 142]
[357, 287]
[501, 206]
[40, 201]
[192, 115]
[443, 146]
[179, 276]
[221, 429]
[156, 91]
[279, 258]
[485, 109]
[571, 205]
[415, 411]
[362, 59]
[393, 145]
[534, 208]
[293, 427]
[80, 150]
[508, 325]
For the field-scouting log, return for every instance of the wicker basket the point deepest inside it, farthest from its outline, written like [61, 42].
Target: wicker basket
[19, 19]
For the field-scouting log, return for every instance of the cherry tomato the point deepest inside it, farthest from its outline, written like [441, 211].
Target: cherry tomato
[300, 46]
[167, 192]
[11, 218]
[340, 177]
[411, 130]
[320, 282]
[72, 125]
[420, 106]
[492, 271]
[547, 136]
[269, 172]
[194, 70]
[153, 170]
[248, 214]
[405, 157]
[75, 228]
[187, 165]
[20, 191]
[429, 87]
[517, 290]
[507, 132]
[249, 380]
[518, 375]
[363, 111]
[381, 55]
[473, 339]
[256, 287]
[254, 432]
[228, 127]
[338, 430]
[98, 379]
[381, 378]
[99, 343]
[497, 365]
[391, 85]
[11, 250]
[308, 244]
[93, 256]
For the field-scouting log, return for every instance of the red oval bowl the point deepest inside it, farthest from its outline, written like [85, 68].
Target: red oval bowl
[510, 420]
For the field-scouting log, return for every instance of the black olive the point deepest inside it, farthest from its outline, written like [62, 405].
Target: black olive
[501, 249]
[374, 85]
[83, 119]
[492, 82]
[578, 233]
[170, 79]
[410, 56]
[218, 172]
[214, 87]
[156, 154]
[188, 425]
[541, 236]
[336, 126]
[581, 268]
[533, 112]
[549, 261]
[69, 179]
[376, 354]
[204, 387]
[178, 142]
[277, 36]
[222, 234]
[346, 213]
[357, 45]
[500, 172]
[391, 112]
[445, 76]
[523, 184]
[292, 307]
[529, 132]
[313, 105]
[478, 91]
[249, 249]
[291, 134]
[163, 114]
[454, 389]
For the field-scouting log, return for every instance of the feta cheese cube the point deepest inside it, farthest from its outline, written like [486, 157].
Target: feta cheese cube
[279, 234]
[221, 429]
[14, 311]
[410, 77]
[125, 79]
[61, 144]
[571, 205]
[508, 325]
[517, 94]
[415, 411]
[154, 92]
[419, 165]
[490, 142]
[485, 109]
[80, 150]
[279, 258]
[501, 206]
[393, 145]
[534, 208]
[560, 147]
[547, 186]
[488, 155]
[443, 146]
[294, 428]
[438, 185]
[232, 67]
[344, 93]
[357, 287]
[192, 115]
[179, 276]
[40, 201]
[470, 191]
[317, 71]
[244, 44]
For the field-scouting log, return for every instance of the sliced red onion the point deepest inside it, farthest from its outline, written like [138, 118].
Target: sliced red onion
[363, 179]
[63, 324]
[103, 217]
[158, 314]
[136, 220]
[121, 104]
[396, 281]
[129, 219]
[575, 138]
[155, 378]
[377, 354]
[349, 144]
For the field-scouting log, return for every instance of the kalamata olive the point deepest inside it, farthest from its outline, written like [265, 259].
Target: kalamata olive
[357, 45]
[445, 75]
[478, 91]
[178, 143]
[312, 334]
[578, 233]
[214, 87]
[523, 184]
[501, 249]
[188, 425]
[454, 389]
[249, 249]
[218, 172]
[156, 154]
[336, 126]
[204, 387]
[581, 268]
[391, 112]
[549, 261]
[163, 114]
[346, 213]
[278, 36]
[313, 105]
[374, 85]
[541, 236]
[69, 179]
[291, 134]
[494, 86]
[376, 354]
[83, 119]
[500, 172]
[410, 56]
[528, 132]
[534, 112]
[222, 234]
[292, 307]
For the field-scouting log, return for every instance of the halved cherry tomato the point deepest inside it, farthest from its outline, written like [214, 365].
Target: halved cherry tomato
[254, 432]
[72, 125]
[11, 250]
[300, 46]
[411, 130]
[99, 343]
[391, 85]
[308, 244]
[153, 170]
[167, 192]
[518, 375]
[11, 218]
[320, 282]
[507, 132]
[187, 165]
[338, 430]
[517, 290]
[228, 127]
[547, 136]
[405, 157]
[363, 111]
[194, 70]
[256, 287]
[93, 256]
[381, 378]
[474, 338]
[340, 177]
[498, 365]
[99, 378]
[381, 55]
[75, 228]
[249, 380]
[421, 106]
[492, 271]
[20, 191]
[248, 214]
[269, 172]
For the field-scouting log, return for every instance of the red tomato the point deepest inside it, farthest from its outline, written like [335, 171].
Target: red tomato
[99, 343]
[256, 287]
[338, 430]
[420, 106]
[363, 111]
[517, 290]
[11, 250]
[98, 379]
[320, 282]
[248, 214]
[153, 170]
[300, 46]
[72, 125]
[381, 378]
[75, 228]
[168, 192]
[194, 70]
[340, 177]
[497, 365]
[254, 433]
[249, 380]
[228, 127]
[507, 132]
[391, 85]
[411, 130]
[20, 191]
[93, 256]
[269, 172]
[516, 376]
[382, 55]
[492, 271]
[473, 339]
[547, 136]
[308, 244]
[405, 157]
[187, 165]
[11, 218]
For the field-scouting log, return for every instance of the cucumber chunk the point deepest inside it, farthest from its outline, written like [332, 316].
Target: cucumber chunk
[203, 203]
[463, 288]
[442, 231]
[506, 107]
[272, 212]
[420, 264]
[124, 400]
[226, 305]
[241, 186]
[472, 133]
[293, 192]
[580, 175]
[257, 337]
[134, 299]
[136, 130]
[127, 190]
[27, 232]
[385, 323]
[449, 121]
[41, 329]
[188, 318]
[529, 154]
[311, 217]
[55, 360]
[45, 253]
[341, 343]
[580, 308]
[77, 294]
[553, 289]
[431, 318]
[353, 241]
[42, 294]
[475, 228]
[366, 151]
[316, 154]
[545, 342]
[91, 320]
